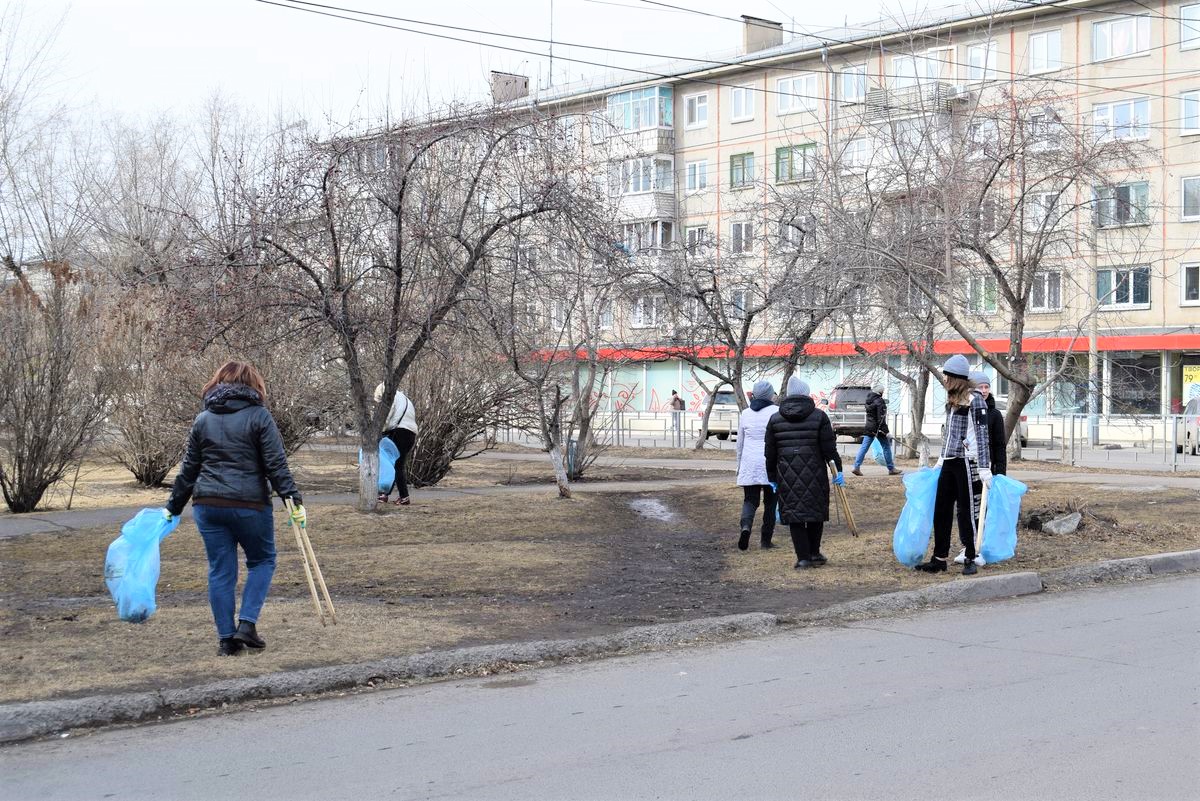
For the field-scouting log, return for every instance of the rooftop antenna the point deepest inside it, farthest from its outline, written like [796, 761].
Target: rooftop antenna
[551, 42]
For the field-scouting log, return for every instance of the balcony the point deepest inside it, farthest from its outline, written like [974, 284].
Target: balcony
[649, 141]
[647, 205]
[927, 97]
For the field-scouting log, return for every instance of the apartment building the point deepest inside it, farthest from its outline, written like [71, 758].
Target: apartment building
[705, 146]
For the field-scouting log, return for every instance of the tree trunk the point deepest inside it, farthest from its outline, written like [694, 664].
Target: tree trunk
[560, 471]
[702, 440]
[1018, 398]
[368, 478]
[917, 442]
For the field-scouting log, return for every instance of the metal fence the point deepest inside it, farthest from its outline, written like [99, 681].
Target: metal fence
[1142, 442]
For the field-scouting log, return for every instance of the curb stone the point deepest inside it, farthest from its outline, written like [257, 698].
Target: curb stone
[1005, 585]
[23, 721]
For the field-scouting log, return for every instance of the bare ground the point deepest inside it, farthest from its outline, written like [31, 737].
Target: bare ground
[494, 568]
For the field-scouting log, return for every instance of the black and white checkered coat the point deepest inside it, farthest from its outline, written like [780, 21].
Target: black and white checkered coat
[967, 433]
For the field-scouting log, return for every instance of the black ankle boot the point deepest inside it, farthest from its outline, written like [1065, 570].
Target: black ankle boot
[744, 540]
[229, 647]
[818, 560]
[765, 542]
[969, 568]
[934, 565]
[248, 636]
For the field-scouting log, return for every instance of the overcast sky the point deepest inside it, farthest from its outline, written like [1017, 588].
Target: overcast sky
[145, 56]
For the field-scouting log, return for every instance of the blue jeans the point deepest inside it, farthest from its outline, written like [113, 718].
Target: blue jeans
[884, 442]
[223, 530]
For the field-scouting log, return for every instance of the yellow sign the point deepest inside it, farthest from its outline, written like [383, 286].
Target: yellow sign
[1191, 382]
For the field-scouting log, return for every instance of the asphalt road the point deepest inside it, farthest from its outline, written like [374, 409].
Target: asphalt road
[1092, 695]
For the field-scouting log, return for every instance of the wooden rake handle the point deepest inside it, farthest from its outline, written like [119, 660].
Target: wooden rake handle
[841, 493]
[308, 558]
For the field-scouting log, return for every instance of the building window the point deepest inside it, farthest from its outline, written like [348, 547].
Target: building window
[1189, 285]
[1127, 119]
[737, 304]
[1122, 204]
[983, 294]
[695, 111]
[696, 175]
[1191, 198]
[798, 235]
[1045, 129]
[1118, 38]
[1123, 287]
[697, 237]
[646, 311]
[794, 163]
[558, 315]
[1046, 294]
[936, 64]
[741, 169]
[1039, 207]
[639, 109]
[742, 236]
[981, 61]
[646, 235]
[857, 153]
[797, 93]
[647, 174]
[1189, 113]
[1189, 27]
[1045, 52]
[604, 317]
[853, 84]
[742, 103]
[982, 136]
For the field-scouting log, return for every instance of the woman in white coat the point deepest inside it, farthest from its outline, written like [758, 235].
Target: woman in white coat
[401, 429]
[752, 464]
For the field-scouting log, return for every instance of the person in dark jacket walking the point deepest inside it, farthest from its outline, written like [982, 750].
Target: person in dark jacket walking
[233, 451]
[965, 459]
[799, 445]
[876, 428]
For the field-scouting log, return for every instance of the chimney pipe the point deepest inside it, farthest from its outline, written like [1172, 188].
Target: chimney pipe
[760, 34]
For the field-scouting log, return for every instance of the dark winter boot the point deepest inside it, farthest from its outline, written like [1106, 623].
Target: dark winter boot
[969, 568]
[765, 542]
[818, 560]
[229, 647]
[934, 565]
[803, 564]
[744, 540]
[248, 636]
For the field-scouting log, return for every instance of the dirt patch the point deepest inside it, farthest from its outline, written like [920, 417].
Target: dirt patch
[464, 571]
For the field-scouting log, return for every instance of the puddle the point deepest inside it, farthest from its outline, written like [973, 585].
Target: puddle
[652, 508]
[1120, 488]
[502, 684]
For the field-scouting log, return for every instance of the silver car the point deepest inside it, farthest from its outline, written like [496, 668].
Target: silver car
[1187, 429]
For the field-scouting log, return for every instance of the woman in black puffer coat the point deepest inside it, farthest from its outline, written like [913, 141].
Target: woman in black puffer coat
[799, 445]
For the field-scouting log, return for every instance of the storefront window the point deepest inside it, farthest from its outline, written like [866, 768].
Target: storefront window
[1136, 383]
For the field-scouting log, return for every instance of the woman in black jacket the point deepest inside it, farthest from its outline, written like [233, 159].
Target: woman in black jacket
[234, 449]
[997, 440]
[799, 445]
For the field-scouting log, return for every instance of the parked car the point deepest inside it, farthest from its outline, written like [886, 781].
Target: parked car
[723, 422]
[1187, 429]
[1022, 424]
[848, 409]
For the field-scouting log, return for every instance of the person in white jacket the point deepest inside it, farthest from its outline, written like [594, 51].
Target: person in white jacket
[752, 464]
[401, 429]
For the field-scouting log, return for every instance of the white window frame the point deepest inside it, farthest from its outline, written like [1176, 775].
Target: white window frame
[857, 73]
[1102, 120]
[1183, 212]
[695, 175]
[1184, 268]
[696, 102]
[796, 93]
[985, 71]
[1053, 55]
[1097, 200]
[797, 235]
[741, 237]
[604, 315]
[856, 155]
[1189, 27]
[1039, 205]
[983, 281]
[1128, 305]
[924, 66]
[696, 236]
[738, 300]
[1185, 99]
[643, 305]
[741, 96]
[1142, 35]
[1042, 279]
[558, 315]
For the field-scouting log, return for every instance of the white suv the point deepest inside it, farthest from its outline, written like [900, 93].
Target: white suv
[1187, 429]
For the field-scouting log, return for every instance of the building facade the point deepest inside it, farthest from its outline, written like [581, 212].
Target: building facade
[707, 147]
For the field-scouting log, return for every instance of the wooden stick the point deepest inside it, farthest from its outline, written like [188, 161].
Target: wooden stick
[312, 588]
[983, 503]
[320, 578]
[841, 493]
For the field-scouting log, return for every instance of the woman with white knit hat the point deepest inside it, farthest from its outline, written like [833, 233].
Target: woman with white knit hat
[965, 459]
[752, 464]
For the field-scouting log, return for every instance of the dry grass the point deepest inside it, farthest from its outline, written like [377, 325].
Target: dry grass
[463, 571]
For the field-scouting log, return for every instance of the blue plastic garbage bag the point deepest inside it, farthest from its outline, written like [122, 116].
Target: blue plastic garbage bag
[913, 529]
[1003, 513]
[388, 454]
[131, 564]
[877, 452]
